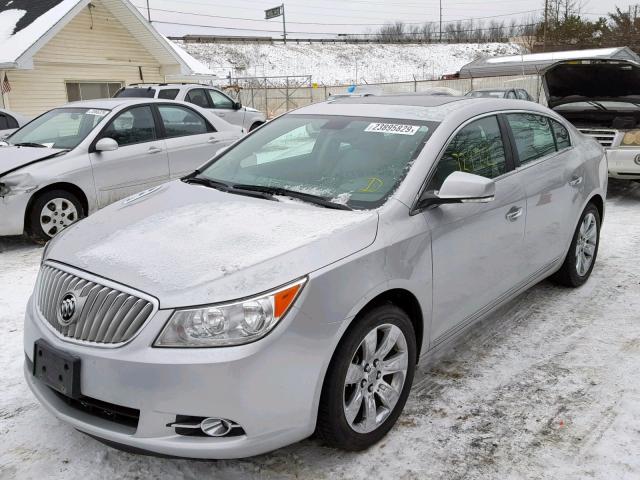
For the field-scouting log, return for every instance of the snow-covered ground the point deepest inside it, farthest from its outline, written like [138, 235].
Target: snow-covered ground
[343, 63]
[548, 388]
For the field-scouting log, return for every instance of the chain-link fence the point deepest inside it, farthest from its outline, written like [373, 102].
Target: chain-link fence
[277, 95]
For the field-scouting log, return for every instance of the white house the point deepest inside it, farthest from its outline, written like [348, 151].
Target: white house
[55, 51]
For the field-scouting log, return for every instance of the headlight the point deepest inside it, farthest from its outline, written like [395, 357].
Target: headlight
[631, 138]
[228, 324]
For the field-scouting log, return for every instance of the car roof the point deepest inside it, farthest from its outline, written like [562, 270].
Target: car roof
[419, 107]
[111, 103]
[497, 89]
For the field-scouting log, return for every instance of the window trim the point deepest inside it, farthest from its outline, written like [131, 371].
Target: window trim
[158, 116]
[99, 136]
[509, 162]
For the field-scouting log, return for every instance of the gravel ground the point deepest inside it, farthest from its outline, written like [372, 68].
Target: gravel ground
[549, 387]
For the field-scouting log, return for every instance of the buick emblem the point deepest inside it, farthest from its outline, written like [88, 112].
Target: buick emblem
[67, 309]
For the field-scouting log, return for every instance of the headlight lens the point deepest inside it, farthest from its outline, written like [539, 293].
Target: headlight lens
[631, 138]
[228, 324]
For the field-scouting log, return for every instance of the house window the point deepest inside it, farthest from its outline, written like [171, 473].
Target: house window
[91, 90]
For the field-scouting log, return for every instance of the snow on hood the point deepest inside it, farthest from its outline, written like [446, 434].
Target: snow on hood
[191, 245]
[13, 158]
[574, 81]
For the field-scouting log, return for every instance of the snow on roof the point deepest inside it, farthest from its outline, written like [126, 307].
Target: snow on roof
[24, 22]
[196, 66]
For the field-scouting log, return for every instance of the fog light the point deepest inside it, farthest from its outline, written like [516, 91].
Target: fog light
[215, 427]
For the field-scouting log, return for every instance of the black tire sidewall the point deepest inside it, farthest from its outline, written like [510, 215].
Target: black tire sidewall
[340, 433]
[33, 225]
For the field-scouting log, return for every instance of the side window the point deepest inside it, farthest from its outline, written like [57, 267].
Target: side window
[219, 100]
[511, 94]
[135, 125]
[168, 93]
[477, 149]
[181, 121]
[198, 97]
[533, 136]
[4, 124]
[12, 122]
[522, 95]
[563, 140]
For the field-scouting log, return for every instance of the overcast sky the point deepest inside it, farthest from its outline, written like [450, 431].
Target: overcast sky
[332, 16]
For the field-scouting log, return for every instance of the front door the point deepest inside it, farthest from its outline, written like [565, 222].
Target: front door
[224, 107]
[141, 160]
[477, 248]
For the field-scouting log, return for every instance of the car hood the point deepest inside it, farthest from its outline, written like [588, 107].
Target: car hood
[13, 158]
[583, 80]
[191, 245]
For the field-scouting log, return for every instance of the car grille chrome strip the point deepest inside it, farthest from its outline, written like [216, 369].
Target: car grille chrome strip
[105, 314]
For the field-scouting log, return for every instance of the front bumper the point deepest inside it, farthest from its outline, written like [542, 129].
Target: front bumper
[12, 213]
[270, 387]
[624, 163]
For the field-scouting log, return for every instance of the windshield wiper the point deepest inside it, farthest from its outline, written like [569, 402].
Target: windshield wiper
[29, 144]
[227, 188]
[307, 197]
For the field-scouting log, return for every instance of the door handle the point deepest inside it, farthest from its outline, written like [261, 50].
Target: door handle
[514, 213]
[212, 140]
[575, 181]
[220, 114]
[154, 150]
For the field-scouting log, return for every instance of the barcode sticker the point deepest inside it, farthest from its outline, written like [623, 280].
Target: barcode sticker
[395, 128]
[97, 112]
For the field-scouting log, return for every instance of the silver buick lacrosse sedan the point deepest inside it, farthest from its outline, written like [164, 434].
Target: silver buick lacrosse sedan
[291, 284]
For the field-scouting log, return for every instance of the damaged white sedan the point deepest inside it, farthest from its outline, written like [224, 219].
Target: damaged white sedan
[73, 160]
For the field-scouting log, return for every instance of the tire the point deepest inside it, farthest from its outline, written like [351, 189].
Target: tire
[62, 208]
[572, 273]
[354, 433]
[254, 126]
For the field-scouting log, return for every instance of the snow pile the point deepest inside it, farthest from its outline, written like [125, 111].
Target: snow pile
[343, 63]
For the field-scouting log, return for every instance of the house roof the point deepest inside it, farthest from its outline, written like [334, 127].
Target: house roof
[532, 64]
[27, 25]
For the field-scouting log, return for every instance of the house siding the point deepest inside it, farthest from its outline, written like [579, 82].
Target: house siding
[93, 46]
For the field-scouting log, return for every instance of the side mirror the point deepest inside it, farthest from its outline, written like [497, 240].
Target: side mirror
[106, 145]
[237, 105]
[461, 187]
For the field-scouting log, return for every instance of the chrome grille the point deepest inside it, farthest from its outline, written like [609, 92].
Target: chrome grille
[105, 315]
[604, 136]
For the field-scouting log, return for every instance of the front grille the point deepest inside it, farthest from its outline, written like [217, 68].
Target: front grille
[604, 136]
[103, 315]
[125, 416]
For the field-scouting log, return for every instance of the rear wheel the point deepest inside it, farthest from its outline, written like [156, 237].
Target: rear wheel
[254, 126]
[52, 212]
[368, 380]
[581, 258]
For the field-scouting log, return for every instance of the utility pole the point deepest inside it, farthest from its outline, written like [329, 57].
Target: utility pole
[546, 17]
[440, 21]
[148, 12]
[284, 26]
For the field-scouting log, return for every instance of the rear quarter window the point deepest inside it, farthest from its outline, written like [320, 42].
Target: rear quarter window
[563, 139]
[168, 93]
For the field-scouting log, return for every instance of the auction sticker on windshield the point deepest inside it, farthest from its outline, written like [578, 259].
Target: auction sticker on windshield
[395, 128]
[97, 112]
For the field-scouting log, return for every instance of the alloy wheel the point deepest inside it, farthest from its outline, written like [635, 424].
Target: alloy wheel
[375, 378]
[56, 215]
[586, 244]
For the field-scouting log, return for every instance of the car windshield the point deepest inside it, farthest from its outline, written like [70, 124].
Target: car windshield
[136, 92]
[487, 93]
[59, 128]
[353, 161]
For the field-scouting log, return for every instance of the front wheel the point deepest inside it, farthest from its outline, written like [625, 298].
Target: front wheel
[581, 258]
[52, 212]
[368, 380]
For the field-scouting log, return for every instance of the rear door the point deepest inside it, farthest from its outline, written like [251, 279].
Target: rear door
[191, 140]
[550, 175]
[141, 160]
[477, 248]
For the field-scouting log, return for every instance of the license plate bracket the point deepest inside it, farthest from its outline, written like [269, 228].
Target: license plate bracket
[57, 369]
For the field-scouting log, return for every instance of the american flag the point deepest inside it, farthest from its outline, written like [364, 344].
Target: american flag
[6, 86]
